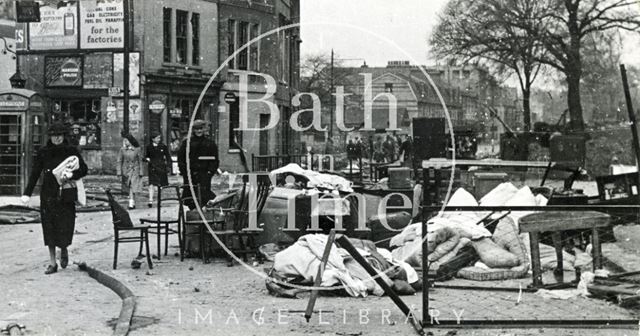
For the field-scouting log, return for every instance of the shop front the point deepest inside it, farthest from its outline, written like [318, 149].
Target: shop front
[22, 126]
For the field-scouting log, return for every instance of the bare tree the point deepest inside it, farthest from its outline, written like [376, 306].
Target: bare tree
[497, 33]
[569, 23]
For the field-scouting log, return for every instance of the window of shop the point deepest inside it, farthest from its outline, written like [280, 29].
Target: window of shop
[166, 38]
[195, 39]
[84, 117]
[180, 116]
[181, 36]
[254, 49]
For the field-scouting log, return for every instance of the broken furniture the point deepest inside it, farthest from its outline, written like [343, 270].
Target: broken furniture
[163, 221]
[122, 223]
[231, 224]
[556, 222]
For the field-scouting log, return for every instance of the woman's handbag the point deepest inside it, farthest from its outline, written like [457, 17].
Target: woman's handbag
[69, 192]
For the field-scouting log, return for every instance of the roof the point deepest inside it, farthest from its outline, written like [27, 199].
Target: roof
[21, 92]
[379, 117]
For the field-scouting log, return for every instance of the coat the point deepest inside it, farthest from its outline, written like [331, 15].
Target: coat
[201, 169]
[159, 164]
[129, 165]
[57, 216]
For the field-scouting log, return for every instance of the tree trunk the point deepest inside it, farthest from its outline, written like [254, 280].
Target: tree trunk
[526, 108]
[575, 107]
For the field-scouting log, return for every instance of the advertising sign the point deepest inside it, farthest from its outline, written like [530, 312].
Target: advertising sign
[134, 71]
[21, 30]
[57, 28]
[63, 71]
[98, 71]
[101, 24]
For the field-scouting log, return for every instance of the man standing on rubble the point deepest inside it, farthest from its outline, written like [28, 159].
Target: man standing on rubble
[203, 162]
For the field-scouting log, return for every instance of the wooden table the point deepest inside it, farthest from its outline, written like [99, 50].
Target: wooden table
[556, 222]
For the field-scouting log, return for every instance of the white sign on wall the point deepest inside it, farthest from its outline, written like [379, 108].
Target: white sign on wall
[101, 24]
[57, 28]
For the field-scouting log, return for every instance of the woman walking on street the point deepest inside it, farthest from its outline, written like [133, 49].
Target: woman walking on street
[159, 164]
[57, 205]
[129, 165]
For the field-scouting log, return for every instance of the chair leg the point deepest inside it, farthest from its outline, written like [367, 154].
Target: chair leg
[115, 253]
[141, 243]
[146, 242]
[158, 234]
[180, 240]
[166, 238]
[201, 239]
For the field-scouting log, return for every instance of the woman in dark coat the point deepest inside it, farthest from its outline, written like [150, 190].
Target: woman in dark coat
[58, 215]
[159, 164]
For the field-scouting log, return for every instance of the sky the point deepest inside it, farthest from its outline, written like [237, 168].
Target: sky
[408, 23]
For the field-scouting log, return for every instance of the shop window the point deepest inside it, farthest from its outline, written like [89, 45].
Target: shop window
[180, 113]
[181, 36]
[243, 38]
[83, 116]
[254, 49]
[166, 34]
[195, 39]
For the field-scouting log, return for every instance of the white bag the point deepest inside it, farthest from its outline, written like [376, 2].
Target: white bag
[82, 195]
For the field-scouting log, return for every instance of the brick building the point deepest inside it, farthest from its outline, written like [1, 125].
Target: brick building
[176, 47]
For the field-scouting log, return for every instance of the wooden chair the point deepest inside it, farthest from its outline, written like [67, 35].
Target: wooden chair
[239, 239]
[122, 222]
[163, 222]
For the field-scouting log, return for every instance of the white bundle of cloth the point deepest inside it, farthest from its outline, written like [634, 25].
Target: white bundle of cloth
[316, 179]
[63, 173]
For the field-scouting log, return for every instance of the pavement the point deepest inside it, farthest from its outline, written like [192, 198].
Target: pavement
[192, 298]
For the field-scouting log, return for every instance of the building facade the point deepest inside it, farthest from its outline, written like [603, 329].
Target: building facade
[177, 74]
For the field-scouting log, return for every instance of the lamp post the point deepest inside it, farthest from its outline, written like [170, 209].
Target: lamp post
[17, 80]
[331, 74]
[125, 65]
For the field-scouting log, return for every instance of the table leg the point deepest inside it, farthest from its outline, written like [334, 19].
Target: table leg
[597, 250]
[535, 259]
[558, 273]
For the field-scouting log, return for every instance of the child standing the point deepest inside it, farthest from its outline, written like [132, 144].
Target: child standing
[159, 164]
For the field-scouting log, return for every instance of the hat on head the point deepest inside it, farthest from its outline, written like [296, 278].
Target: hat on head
[57, 128]
[155, 134]
[199, 124]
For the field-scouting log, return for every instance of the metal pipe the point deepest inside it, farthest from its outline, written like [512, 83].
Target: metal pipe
[318, 280]
[346, 244]
[632, 208]
[632, 115]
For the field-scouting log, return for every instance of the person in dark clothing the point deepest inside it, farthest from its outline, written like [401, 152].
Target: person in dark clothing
[351, 150]
[58, 214]
[159, 164]
[406, 152]
[388, 149]
[203, 161]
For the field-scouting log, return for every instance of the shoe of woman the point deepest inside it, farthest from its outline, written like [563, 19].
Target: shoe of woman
[131, 207]
[150, 204]
[64, 258]
[51, 269]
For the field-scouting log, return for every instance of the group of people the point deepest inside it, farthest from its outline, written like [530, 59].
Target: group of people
[392, 149]
[60, 164]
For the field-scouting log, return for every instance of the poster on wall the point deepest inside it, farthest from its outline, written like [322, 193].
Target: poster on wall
[63, 71]
[98, 71]
[134, 71]
[101, 24]
[20, 36]
[57, 28]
